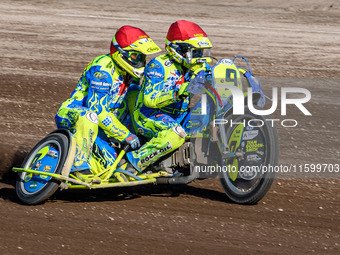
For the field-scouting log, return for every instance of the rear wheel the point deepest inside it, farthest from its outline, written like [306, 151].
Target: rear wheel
[248, 179]
[49, 155]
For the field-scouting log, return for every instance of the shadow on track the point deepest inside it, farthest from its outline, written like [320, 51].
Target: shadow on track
[9, 194]
[119, 194]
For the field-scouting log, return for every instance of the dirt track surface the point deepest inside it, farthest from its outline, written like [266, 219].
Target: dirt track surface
[45, 46]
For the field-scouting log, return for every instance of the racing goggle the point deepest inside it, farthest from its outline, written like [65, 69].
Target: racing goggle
[194, 55]
[136, 58]
[200, 53]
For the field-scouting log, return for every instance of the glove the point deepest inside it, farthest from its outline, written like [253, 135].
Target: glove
[133, 141]
[182, 92]
[197, 68]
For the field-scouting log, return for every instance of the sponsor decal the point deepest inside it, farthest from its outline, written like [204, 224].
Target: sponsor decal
[253, 146]
[100, 75]
[100, 83]
[260, 152]
[105, 84]
[140, 131]
[64, 123]
[92, 117]
[200, 60]
[154, 66]
[52, 154]
[203, 43]
[156, 74]
[28, 177]
[33, 185]
[113, 70]
[193, 124]
[179, 131]
[107, 121]
[100, 88]
[152, 49]
[155, 153]
[248, 174]
[47, 168]
[249, 128]
[37, 166]
[227, 62]
[91, 134]
[249, 135]
[44, 177]
[253, 158]
[168, 63]
[118, 131]
[237, 133]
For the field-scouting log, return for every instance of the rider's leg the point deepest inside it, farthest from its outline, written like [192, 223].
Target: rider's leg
[103, 155]
[167, 135]
[83, 124]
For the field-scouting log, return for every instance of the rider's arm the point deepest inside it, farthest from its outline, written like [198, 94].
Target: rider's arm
[156, 93]
[112, 127]
[101, 100]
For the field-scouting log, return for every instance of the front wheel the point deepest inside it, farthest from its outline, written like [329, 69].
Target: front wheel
[248, 179]
[49, 155]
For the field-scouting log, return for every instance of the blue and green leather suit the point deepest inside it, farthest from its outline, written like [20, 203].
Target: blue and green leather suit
[158, 114]
[91, 113]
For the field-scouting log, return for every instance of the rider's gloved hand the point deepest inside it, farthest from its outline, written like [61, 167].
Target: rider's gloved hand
[133, 141]
[197, 70]
[182, 92]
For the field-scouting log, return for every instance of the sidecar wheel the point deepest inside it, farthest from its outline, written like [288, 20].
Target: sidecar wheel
[247, 180]
[49, 155]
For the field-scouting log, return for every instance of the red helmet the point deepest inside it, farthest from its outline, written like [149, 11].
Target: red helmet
[129, 47]
[187, 43]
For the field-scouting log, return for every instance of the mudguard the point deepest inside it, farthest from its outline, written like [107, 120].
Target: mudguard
[71, 151]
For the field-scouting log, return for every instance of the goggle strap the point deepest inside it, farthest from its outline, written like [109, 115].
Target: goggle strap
[168, 42]
[120, 49]
[172, 45]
